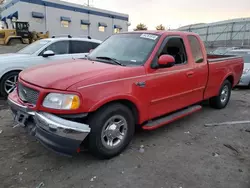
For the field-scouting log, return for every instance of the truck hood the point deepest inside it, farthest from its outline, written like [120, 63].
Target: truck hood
[62, 75]
[12, 56]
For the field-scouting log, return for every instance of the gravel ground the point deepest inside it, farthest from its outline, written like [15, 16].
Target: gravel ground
[183, 154]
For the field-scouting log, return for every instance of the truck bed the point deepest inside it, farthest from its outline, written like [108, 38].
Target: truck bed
[214, 58]
[219, 66]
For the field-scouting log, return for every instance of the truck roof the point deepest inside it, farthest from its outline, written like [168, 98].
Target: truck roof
[163, 32]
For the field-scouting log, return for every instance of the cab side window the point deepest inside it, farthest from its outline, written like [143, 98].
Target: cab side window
[175, 47]
[196, 49]
[59, 48]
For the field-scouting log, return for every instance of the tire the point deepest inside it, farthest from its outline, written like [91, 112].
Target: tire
[12, 77]
[97, 142]
[14, 42]
[221, 101]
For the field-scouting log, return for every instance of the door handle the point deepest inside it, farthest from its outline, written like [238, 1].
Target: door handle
[190, 74]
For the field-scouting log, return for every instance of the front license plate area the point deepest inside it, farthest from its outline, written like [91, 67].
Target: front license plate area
[21, 118]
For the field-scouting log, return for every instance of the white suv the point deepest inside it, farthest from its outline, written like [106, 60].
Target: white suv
[40, 52]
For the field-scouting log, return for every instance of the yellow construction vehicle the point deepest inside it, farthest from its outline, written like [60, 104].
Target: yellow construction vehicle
[20, 35]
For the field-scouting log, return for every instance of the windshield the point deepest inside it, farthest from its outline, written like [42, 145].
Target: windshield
[245, 55]
[34, 47]
[132, 48]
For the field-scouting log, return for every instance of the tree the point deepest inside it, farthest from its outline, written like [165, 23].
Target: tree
[160, 27]
[140, 27]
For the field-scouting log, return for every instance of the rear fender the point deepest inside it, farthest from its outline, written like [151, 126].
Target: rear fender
[225, 77]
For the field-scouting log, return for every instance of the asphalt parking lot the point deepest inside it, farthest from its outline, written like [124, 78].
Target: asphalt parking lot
[183, 154]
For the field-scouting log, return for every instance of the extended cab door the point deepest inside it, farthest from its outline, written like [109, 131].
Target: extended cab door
[200, 71]
[171, 88]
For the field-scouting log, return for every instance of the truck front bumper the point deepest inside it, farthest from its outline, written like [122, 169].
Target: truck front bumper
[60, 135]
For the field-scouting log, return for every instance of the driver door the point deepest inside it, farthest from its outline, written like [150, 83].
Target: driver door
[171, 88]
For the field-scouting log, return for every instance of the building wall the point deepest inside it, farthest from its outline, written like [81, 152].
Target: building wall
[52, 20]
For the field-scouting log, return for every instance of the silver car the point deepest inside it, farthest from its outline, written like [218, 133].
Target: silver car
[245, 53]
[41, 52]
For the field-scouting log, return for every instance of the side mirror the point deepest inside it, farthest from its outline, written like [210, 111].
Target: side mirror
[91, 50]
[166, 61]
[48, 53]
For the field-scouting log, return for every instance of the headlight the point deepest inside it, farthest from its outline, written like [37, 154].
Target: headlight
[245, 71]
[61, 101]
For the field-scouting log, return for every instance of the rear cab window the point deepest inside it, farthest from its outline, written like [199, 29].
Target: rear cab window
[196, 49]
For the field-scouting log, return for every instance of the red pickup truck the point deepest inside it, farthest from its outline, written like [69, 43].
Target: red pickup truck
[136, 79]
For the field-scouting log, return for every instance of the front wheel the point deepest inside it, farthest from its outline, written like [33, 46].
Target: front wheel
[223, 98]
[112, 129]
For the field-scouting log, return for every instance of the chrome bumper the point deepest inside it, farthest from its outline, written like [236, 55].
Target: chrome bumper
[56, 133]
[61, 127]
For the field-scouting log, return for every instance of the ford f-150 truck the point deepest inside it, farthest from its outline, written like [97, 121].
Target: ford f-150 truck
[141, 79]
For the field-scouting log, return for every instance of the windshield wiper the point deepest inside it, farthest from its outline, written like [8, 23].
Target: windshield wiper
[112, 59]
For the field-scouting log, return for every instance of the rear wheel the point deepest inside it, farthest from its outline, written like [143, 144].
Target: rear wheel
[112, 129]
[222, 99]
[8, 83]
[13, 42]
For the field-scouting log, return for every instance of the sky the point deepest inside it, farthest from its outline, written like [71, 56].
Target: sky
[172, 13]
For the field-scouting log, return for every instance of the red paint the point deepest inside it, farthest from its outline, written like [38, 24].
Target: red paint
[165, 60]
[166, 90]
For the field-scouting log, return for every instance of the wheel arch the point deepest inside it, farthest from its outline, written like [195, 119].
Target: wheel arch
[13, 37]
[9, 71]
[230, 78]
[130, 102]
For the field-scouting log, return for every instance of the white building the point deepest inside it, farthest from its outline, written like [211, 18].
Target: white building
[62, 18]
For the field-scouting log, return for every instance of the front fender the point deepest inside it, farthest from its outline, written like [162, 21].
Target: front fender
[141, 108]
[3, 72]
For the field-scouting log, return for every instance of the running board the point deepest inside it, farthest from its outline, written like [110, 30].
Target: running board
[154, 124]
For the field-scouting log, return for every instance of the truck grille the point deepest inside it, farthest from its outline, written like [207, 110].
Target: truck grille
[27, 94]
